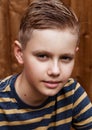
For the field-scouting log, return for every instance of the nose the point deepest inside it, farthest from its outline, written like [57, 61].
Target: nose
[54, 69]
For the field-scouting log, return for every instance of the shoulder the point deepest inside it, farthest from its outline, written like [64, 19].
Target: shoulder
[6, 82]
[75, 88]
[82, 106]
[68, 93]
[72, 85]
[5, 79]
[74, 91]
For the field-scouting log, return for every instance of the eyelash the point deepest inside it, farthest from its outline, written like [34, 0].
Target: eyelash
[66, 58]
[42, 56]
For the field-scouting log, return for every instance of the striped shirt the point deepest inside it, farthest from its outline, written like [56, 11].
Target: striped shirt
[70, 107]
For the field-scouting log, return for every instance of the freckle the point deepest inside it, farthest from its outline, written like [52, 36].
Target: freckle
[25, 95]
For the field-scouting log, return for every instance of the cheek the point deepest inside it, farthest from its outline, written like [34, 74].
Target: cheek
[67, 70]
[34, 68]
[31, 72]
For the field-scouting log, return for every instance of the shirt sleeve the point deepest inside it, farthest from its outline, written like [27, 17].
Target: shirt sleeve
[82, 109]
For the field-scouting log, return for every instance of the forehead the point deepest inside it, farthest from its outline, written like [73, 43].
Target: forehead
[52, 39]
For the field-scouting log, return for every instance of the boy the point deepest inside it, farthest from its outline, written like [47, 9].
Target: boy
[43, 96]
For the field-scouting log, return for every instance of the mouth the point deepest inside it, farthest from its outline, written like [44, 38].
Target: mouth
[51, 84]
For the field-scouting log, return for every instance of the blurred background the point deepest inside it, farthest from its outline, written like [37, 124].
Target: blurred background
[10, 15]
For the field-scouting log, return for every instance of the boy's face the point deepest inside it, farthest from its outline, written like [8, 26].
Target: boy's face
[48, 60]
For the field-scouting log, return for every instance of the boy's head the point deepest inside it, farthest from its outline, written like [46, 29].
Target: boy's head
[47, 14]
[49, 30]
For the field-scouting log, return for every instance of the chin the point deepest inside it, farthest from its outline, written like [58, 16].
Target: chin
[51, 94]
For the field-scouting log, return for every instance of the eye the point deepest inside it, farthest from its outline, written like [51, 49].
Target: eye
[42, 56]
[66, 59]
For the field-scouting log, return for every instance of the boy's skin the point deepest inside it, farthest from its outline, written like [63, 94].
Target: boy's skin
[48, 60]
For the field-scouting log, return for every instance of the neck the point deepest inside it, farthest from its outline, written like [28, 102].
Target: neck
[26, 93]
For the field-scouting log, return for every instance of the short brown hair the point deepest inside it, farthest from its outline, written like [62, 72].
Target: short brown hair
[46, 14]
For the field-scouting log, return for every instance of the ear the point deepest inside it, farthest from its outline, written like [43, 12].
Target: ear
[77, 48]
[18, 52]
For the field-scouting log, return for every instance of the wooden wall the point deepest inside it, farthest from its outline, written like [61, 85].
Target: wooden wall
[10, 15]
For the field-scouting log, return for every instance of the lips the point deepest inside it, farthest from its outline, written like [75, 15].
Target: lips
[52, 84]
